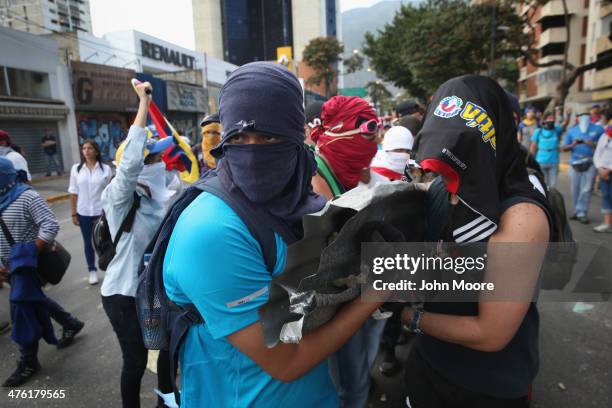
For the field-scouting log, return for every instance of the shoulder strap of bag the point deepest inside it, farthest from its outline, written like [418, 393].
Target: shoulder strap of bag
[6, 232]
[260, 230]
[128, 221]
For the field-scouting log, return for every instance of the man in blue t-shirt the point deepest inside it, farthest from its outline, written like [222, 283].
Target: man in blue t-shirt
[214, 262]
[581, 139]
[545, 147]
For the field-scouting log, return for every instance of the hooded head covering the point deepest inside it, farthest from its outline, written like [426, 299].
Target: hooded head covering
[266, 98]
[347, 152]
[392, 164]
[469, 137]
[10, 185]
[210, 124]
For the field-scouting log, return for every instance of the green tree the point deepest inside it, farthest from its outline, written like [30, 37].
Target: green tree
[426, 45]
[353, 63]
[322, 54]
[378, 93]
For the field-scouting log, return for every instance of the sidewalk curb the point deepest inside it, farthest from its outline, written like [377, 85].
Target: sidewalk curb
[58, 197]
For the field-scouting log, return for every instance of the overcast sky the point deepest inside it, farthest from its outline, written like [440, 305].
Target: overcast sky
[170, 21]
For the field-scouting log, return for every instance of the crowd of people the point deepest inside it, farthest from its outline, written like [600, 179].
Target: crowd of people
[281, 161]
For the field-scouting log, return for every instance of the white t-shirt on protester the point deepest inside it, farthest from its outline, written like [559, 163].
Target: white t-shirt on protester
[88, 186]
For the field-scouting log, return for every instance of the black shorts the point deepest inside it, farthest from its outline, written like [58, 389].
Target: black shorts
[426, 388]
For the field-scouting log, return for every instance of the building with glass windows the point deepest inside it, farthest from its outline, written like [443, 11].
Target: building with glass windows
[242, 31]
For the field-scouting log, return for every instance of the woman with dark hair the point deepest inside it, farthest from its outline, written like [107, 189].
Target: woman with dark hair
[87, 181]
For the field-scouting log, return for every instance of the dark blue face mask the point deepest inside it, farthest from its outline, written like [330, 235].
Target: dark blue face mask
[261, 172]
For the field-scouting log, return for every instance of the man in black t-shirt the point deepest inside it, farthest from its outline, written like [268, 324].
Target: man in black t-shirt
[49, 146]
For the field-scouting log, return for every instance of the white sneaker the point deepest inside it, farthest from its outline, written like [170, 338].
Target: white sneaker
[93, 277]
[603, 228]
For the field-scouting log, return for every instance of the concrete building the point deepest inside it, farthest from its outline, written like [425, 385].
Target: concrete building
[45, 16]
[36, 97]
[186, 83]
[599, 44]
[538, 85]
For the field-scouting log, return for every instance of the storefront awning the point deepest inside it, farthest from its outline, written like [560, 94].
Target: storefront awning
[32, 111]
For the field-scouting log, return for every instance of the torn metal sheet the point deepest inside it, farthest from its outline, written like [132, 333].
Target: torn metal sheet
[323, 269]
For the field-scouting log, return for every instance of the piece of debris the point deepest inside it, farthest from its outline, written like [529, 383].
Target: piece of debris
[562, 386]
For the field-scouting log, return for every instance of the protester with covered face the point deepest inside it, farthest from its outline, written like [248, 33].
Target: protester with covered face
[346, 144]
[581, 140]
[393, 157]
[141, 182]
[87, 181]
[211, 135]
[481, 354]
[29, 226]
[224, 361]
[545, 147]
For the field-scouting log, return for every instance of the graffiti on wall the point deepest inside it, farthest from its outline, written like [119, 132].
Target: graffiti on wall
[107, 129]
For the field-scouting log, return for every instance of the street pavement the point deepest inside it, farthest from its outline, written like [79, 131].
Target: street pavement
[575, 342]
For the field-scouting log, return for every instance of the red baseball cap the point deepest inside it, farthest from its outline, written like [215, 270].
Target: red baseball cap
[4, 135]
[448, 173]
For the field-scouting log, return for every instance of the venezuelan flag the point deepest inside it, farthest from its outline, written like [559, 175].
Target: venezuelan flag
[179, 156]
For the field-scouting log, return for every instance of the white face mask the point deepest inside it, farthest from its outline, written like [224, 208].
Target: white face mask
[156, 178]
[583, 123]
[397, 161]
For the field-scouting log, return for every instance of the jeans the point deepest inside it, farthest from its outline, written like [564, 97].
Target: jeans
[582, 185]
[53, 159]
[121, 311]
[550, 174]
[29, 352]
[350, 366]
[86, 225]
[606, 195]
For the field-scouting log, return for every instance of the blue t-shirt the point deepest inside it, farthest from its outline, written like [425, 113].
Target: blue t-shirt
[582, 150]
[214, 262]
[547, 141]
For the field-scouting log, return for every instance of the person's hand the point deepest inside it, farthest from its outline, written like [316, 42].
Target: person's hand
[4, 274]
[141, 91]
[604, 173]
[75, 220]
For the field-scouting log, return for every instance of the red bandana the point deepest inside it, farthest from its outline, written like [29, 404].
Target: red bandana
[347, 155]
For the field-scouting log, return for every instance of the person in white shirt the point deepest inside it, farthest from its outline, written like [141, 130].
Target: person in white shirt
[390, 162]
[87, 181]
[603, 163]
[7, 150]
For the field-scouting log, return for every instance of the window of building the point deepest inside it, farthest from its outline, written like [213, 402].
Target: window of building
[3, 82]
[553, 49]
[27, 84]
[552, 22]
[585, 25]
[586, 4]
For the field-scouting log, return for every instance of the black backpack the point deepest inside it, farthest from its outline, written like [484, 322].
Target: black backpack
[560, 260]
[163, 323]
[103, 242]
